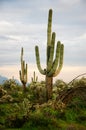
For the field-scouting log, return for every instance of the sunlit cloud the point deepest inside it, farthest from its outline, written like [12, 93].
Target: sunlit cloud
[67, 73]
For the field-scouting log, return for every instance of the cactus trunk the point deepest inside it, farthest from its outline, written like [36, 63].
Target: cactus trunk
[24, 86]
[23, 71]
[49, 82]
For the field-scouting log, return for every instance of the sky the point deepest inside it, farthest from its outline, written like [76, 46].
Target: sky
[23, 23]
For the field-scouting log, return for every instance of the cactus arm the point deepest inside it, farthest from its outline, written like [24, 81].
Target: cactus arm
[55, 63]
[61, 61]
[34, 78]
[20, 75]
[38, 61]
[23, 73]
[26, 75]
[49, 33]
[50, 61]
[49, 29]
[21, 55]
[23, 69]
[22, 65]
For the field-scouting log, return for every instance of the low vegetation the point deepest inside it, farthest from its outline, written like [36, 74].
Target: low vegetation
[21, 110]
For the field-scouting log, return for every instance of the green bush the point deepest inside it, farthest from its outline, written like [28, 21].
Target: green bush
[38, 92]
[40, 122]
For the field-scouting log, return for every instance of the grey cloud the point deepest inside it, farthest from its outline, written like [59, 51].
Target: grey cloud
[3, 37]
[29, 26]
[75, 52]
[67, 12]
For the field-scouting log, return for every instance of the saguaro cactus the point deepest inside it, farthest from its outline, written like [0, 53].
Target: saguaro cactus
[34, 78]
[23, 71]
[53, 65]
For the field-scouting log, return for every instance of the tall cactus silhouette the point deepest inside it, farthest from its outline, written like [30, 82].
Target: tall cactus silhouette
[34, 78]
[53, 65]
[23, 71]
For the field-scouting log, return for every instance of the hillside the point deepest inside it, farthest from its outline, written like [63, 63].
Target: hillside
[2, 79]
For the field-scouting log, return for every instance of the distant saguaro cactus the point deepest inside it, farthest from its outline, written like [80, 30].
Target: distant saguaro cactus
[23, 71]
[53, 65]
[34, 78]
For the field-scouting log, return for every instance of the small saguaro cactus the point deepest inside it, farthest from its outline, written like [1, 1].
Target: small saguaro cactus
[34, 78]
[23, 71]
[53, 65]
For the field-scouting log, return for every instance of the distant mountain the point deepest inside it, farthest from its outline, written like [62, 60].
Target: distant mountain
[2, 79]
[17, 81]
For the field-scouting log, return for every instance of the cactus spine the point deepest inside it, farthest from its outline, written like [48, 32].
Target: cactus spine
[53, 65]
[23, 71]
[35, 78]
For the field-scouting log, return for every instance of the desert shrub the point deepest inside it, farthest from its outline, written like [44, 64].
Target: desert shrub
[48, 112]
[77, 103]
[8, 84]
[13, 89]
[37, 92]
[76, 111]
[2, 91]
[81, 118]
[15, 121]
[78, 82]
[4, 112]
[16, 114]
[40, 122]
[70, 115]
[60, 85]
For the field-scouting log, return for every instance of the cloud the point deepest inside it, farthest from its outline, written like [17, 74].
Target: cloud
[82, 37]
[23, 23]
[68, 73]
